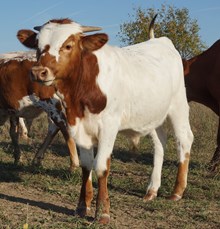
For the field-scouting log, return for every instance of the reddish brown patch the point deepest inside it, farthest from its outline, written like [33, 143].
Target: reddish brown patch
[61, 21]
[94, 42]
[27, 38]
[103, 202]
[86, 194]
[39, 53]
[74, 160]
[80, 88]
[181, 180]
[151, 194]
[14, 83]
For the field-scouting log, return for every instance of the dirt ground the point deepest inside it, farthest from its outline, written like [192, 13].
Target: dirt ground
[46, 198]
[20, 204]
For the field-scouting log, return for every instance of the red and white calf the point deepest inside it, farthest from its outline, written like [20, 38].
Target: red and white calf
[106, 90]
[20, 97]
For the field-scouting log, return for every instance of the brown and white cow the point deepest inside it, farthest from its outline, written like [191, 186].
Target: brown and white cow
[107, 89]
[22, 98]
[202, 79]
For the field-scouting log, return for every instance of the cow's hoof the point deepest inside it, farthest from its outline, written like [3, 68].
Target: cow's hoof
[150, 196]
[82, 211]
[174, 197]
[72, 168]
[104, 219]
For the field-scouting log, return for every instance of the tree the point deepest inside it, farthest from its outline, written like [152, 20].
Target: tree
[171, 22]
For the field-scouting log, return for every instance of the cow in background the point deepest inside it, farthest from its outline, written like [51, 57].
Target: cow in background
[106, 90]
[202, 80]
[22, 98]
[24, 125]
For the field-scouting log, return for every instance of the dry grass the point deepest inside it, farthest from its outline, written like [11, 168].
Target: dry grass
[47, 197]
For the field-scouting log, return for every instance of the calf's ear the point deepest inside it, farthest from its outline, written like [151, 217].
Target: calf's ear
[27, 38]
[94, 41]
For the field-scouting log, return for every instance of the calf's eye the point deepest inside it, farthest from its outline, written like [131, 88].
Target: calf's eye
[68, 47]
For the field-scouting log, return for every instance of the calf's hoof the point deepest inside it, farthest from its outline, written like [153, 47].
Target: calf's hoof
[72, 168]
[82, 211]
[174, 197]
[150, 196]
[104, 219]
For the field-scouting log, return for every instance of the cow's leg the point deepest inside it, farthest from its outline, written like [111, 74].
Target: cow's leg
[57, 121]
[107, 138]
[103, 202]
[86, 194]
[215, 162]
[159, 140]
[74, 160]
[60, 120]
[52, 131]
[180, 119]
[23, 129]
[28, 125]
[14, 134]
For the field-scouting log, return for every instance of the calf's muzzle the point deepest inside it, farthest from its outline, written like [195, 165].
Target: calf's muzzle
[42, 74]
[39, 73]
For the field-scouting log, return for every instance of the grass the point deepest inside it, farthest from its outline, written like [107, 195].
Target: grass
[46, 197]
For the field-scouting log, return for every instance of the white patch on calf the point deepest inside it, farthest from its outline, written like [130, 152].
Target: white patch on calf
[55, 34]
[27, 108]
[79, 133]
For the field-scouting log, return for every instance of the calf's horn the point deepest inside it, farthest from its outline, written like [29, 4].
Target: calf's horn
[37, 28]
[90, 28]
[84, 28]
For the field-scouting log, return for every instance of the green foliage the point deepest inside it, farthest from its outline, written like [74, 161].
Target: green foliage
[171, 22]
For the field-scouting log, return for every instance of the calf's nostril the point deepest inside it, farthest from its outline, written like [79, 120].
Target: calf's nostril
[44, 73]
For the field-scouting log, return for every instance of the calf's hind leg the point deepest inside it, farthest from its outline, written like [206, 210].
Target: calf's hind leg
[179, 116]
[159, 140]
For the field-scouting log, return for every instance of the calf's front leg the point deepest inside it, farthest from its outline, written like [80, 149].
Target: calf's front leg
[102, 163]
[86, 194]
[103, 202]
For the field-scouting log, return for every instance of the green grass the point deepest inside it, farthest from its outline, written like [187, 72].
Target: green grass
[46, 197]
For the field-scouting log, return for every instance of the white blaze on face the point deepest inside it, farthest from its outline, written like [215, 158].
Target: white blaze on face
[55, 34]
